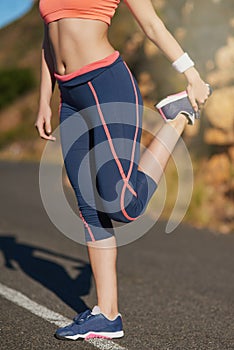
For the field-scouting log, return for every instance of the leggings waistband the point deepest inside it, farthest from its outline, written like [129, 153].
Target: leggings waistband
[89, 67]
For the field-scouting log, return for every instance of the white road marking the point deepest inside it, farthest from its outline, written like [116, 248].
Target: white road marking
[51, 316]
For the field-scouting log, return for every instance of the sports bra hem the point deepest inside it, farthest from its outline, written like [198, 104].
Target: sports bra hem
[70, 13]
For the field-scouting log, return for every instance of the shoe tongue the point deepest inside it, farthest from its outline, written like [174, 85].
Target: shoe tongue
[96, 310]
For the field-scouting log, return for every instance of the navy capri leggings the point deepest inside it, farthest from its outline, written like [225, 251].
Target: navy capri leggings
[100, 127]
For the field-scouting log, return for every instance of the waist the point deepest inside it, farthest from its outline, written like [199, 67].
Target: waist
[96, 67]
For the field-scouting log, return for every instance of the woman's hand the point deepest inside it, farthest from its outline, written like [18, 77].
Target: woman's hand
[43, 123]
[198, 90]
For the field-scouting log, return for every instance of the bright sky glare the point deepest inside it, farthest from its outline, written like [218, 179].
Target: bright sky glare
[10, 10]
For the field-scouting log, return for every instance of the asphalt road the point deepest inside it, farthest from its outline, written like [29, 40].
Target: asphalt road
[176, 291]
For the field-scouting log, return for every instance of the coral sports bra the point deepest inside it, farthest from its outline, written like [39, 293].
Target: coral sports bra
[53, 10]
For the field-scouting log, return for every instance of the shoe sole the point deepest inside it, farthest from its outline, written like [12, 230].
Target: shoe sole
[90, 335]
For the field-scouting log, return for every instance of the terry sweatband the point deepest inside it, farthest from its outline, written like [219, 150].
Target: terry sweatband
[183, 63]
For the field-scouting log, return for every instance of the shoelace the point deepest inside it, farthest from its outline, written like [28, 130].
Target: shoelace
[82, 316]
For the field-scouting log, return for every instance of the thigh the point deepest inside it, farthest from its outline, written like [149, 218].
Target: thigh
[117, 132]
[76, 141]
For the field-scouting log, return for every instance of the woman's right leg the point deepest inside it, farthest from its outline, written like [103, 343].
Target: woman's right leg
[126, 183]
[153, 163]
[154, 160]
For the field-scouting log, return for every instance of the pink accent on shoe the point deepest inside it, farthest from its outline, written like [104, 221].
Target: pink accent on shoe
[162, 114]
[89, 67]
[182, 93]
[93, 335]
[170, 99]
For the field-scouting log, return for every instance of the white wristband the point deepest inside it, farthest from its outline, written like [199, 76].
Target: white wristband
[183, 63]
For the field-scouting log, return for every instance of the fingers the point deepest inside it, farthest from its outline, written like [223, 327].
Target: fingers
[202, 95]
[48, 126]
[202, 101]
[44, 130]
[194, 104]
[193, 100]
[210, 90]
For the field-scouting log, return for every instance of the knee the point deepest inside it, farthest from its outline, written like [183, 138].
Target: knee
[129, 214]
[120, 217]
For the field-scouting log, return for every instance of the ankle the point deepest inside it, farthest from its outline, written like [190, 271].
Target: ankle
[180, 119]
[179, 123]
[110, 313]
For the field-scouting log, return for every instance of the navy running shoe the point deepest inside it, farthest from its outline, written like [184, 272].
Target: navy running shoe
[92, 324]
[175, 104]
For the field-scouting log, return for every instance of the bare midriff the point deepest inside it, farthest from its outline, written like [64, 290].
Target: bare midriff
[76, 42]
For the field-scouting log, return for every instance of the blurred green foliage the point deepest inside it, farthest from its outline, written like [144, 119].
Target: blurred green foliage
[14, 82]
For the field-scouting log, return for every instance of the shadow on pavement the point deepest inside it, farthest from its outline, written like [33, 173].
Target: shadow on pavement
[51, 274]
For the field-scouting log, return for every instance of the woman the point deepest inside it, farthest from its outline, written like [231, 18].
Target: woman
[95, 84]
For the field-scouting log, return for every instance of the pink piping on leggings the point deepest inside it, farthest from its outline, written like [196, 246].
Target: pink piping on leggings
[125, 179]
[81, 216]
[87, 226]
[133, 150]
[109, 137]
